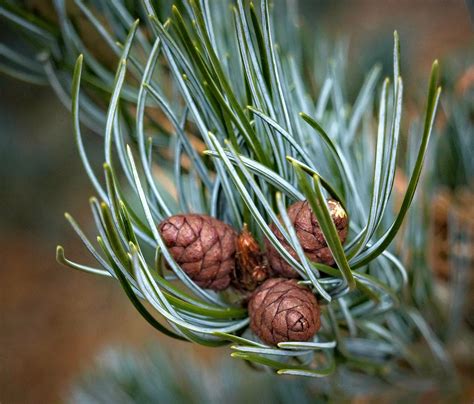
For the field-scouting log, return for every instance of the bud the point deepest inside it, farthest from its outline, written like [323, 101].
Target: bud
[310, 236]
[204, 247]
[281, 310]
[250, 269]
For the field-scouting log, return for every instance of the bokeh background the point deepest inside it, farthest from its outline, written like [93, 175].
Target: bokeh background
[54, 321]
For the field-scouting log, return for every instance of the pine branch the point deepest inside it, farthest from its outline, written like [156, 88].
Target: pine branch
[219, 81]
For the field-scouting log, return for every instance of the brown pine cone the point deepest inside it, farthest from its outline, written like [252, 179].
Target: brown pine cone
[250, 269]
[204, 247]
[310, 236]
[280, 310]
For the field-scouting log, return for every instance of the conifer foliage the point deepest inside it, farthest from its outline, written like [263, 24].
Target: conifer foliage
[257, 136]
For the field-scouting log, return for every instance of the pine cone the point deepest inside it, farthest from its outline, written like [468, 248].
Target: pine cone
[250, 269]
[203, 247]
[310, 236]
[281, 310]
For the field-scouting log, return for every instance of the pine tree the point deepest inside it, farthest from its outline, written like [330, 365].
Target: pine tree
[234, 107]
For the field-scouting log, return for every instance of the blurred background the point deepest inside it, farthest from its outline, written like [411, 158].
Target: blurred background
[54, 322]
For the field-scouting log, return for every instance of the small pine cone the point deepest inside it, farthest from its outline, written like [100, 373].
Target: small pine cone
[282, 310]
[310, 236]
[250, 269]
[203, 247]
